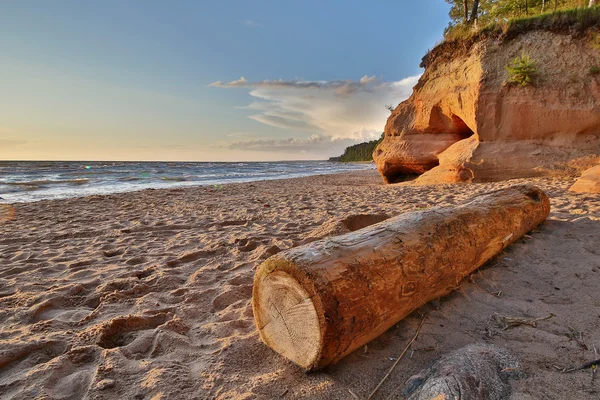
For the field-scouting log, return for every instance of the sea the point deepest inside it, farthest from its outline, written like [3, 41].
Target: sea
[27, 181]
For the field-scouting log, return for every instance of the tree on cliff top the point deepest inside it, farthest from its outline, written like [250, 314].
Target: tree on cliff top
[484, 12]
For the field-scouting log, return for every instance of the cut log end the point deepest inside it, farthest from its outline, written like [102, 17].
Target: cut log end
[286, 318]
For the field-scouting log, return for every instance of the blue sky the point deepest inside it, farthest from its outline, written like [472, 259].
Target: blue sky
[205, 80]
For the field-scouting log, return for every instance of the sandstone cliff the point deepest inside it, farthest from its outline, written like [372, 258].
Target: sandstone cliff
[465, 123]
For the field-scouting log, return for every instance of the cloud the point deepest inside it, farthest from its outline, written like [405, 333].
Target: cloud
[341, 86]
[242, 82]
[341, 109]
[253, 24]
[293, 145]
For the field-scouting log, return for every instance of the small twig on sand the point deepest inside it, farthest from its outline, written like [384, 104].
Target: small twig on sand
[353, 394]
[284, 393]
[561, 369]
[590, 364]
[399, 357]
[510, 322]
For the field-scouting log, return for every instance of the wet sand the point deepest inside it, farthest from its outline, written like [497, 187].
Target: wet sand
[146, 295]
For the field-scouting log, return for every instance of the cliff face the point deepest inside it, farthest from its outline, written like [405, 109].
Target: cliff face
[464, 123]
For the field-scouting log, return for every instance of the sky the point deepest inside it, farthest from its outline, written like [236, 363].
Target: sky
[204, 80]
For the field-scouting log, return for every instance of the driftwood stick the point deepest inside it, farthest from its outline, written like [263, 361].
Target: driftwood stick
[399, 357]
[589, 364]
[511, 322]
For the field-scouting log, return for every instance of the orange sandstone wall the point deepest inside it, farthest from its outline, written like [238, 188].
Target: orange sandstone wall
[464, 123]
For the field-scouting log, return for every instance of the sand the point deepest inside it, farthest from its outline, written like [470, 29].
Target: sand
[146, 295]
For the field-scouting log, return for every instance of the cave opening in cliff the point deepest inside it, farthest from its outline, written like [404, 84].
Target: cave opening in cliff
[402, 177]
[461, 128]
[397, 175]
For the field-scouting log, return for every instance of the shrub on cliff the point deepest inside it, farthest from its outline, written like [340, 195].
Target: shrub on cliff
[521, 70]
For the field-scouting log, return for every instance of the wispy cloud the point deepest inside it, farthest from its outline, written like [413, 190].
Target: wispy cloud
[253, 24]
[293, 145]
[342, 109]
[341, 87]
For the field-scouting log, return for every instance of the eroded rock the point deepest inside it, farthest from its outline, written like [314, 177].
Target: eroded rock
[588, 182]
[464, 123]
[476, 371]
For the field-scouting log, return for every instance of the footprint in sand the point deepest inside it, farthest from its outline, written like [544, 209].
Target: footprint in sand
[340, 226]
[234, 223]
[59, 314]
[241, 279]
[68, 376]
[136, 260]
[191, 257]
[121, 331]
[245, 245]
[230, 295]
[23, 355]
[113, 252]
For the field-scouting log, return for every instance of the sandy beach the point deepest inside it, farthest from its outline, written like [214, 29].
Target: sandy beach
[146, 295]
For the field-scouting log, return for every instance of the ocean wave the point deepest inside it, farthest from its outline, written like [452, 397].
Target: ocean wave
[174, 178]
[32, 185]
[29, 181]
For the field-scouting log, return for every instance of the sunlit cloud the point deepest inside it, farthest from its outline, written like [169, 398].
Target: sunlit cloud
[293, 145]
[342, 109]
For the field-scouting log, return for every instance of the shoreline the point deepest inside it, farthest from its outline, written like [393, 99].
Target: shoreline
[147, 294]
[128, 185]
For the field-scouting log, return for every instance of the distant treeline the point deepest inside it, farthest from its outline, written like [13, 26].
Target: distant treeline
[359, 152]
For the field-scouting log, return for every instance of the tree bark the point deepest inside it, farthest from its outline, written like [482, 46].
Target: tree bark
[474, 11]
[466, 10]
[316, 303]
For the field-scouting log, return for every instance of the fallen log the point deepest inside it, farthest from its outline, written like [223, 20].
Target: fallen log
[316, 303]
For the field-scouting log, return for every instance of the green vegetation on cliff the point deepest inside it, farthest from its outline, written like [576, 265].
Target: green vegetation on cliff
[478, 19]
[460, 36]
[359, 152]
